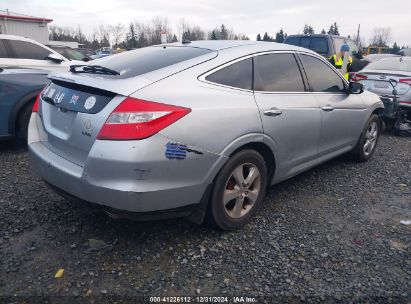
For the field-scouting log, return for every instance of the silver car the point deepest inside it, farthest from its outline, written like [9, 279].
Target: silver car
[197, 129]
[375, 78]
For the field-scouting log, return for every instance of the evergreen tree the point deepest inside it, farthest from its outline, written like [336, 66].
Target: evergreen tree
[334, 29]
[323, 31]
[223, 33]
[131, 37]
[395, 48]
[308, 30]
[331, 30]
[105, 42]
[142, 40]
[174, 39]
[280, 37]
[258, 37]
[213, 35]
[95, 44]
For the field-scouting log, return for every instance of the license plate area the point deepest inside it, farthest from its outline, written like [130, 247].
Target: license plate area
[381, 84]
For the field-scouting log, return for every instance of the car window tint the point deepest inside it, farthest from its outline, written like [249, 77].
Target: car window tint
[319, 45]
[237, 75]
[293, 41]
[320, 76]
[28, 50]
[277, 73]
[305, 42]
[3, 53]
[148, 59]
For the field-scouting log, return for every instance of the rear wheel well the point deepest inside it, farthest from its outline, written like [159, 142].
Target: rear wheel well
[21, 120]
[265, 152]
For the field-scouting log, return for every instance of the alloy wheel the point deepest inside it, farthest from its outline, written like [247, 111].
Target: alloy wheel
[242, 190]
[371, 136]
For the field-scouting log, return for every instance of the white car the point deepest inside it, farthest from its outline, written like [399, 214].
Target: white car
[23, 52]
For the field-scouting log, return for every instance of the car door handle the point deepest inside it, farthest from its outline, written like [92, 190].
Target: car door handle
[327, 108]
[273, 112]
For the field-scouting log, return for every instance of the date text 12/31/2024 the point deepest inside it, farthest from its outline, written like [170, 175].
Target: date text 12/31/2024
[203, 299]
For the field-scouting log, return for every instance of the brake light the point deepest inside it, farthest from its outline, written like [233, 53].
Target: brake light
[36, 104]
[357, 77]
[406, 81]
[138, 119]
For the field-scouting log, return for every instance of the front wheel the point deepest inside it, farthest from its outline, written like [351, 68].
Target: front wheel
[238, 191]
[368, 140]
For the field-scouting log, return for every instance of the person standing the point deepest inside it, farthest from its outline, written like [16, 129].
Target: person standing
[337, 60]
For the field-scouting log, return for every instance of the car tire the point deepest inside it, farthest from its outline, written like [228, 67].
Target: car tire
[22, 124]
[368, 140]
[239, 189]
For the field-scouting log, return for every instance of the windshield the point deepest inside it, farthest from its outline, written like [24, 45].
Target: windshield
[392, 64]
[75, 55]
[145, 60]
[70, 53]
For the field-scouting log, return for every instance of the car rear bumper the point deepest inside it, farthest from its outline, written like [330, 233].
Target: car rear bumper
[116, 179]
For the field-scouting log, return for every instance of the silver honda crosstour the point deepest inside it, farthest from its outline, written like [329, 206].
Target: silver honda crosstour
[196, 129]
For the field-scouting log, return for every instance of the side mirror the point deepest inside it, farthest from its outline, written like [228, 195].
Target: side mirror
[359, 55]
[55, 58]
[355, 88]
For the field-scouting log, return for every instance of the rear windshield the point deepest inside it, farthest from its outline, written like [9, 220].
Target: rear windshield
[293, 41]
[145, 60]
[393, 64]
[317, 44]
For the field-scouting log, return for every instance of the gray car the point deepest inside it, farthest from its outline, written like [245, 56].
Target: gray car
[375, 78]
[197, 129]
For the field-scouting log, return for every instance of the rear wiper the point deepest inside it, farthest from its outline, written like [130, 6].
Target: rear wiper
[94, 69]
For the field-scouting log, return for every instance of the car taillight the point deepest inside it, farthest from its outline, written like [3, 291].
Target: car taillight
[36, 104]
[138, 119]
[357, 77]
[406, 80]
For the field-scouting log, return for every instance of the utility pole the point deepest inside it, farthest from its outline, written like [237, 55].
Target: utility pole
[358, 34]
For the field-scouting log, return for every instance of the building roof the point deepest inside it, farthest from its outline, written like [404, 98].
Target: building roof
[6, 14]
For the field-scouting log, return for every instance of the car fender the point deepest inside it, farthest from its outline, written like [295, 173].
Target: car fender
[17, 108]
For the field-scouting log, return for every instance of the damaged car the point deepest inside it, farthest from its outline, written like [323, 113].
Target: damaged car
[196, 129]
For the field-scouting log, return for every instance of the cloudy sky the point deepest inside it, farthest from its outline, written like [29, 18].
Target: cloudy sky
[248, 17]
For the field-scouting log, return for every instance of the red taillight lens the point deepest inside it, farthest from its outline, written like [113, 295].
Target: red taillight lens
[138, 119]
[357, 77]
[406, 80]
[36, 104]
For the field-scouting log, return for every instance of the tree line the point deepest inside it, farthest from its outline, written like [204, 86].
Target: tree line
[137, 34]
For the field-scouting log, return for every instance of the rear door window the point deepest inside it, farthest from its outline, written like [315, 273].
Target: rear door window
[277, 73]
[28, 50]
[238, 75]
[320, 76]
[148, 59]
[3, 52]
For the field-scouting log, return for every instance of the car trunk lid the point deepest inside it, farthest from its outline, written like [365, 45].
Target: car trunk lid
[378, 82]
[72, 115]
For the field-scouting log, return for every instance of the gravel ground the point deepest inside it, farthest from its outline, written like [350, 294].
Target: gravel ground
[330, 234]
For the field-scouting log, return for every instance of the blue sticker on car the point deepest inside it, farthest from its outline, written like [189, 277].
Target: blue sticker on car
[176, 151]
